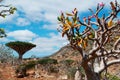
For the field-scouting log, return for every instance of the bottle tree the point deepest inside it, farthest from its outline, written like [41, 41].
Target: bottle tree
[20, 47]
[99, 47]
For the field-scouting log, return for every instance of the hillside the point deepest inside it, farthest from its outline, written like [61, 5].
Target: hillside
[66, 52]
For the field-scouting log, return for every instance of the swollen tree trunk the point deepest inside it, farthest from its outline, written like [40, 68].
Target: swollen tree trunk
[90, 74]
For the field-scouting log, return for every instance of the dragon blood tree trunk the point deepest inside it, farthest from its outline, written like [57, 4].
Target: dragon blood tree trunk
[20, 57]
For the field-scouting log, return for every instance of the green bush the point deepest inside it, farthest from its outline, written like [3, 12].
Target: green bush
[112, 77]
[53, 69]
[47, 61]
[71, 72]
[21, 69]
[67, 62]
[30, 64]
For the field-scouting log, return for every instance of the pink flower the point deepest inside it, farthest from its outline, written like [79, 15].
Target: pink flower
[101, 4]
[89, 17]
[118, 22]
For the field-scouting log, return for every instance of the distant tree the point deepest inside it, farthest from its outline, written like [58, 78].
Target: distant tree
[20, 47]
[107, 34]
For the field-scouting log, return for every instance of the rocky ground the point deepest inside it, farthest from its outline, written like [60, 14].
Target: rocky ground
[8, 73]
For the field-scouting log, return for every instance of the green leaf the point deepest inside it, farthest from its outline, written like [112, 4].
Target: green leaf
[4, 15]
[12, 12]
[58, 18]
[14, 9]
[2, 31]
[67, 19]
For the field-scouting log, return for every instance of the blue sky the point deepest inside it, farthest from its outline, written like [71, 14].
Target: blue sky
[35, 21]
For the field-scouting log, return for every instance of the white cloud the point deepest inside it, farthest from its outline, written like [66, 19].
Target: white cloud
[9, 18]
[23, 35]
[50, 26]
[44, 10]
[2, 40]
[22, 22]
[44, 45]
[37, 10]
[52, 44]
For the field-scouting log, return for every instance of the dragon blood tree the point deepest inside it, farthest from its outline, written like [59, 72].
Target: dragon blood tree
[99, 47]
[20, 47]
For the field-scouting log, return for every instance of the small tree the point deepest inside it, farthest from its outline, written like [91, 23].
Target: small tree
[20, 47]
[95, 59]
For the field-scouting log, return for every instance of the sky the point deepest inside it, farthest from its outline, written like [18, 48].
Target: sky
[35, 21]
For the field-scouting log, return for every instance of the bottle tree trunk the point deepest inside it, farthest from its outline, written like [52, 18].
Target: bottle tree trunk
[90, 74]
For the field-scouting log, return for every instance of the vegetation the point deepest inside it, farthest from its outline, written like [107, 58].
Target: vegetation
[21, 71]
[67, 62]
[112, 77]
[97, 59]
[47, 61]
[70, 72]
[6, 54]
[20, 47]
[3, 13]
[93, 44]
[2, 33]
[30, 64]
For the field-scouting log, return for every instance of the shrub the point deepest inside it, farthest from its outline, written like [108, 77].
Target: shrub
[21, 71]
[71, 72]
[67, 62]
[53, 69]
[112, 77]
[47, 61]
[30, 64]
[6, 54]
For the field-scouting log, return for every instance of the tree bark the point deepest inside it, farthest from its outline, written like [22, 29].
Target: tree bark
[20, 57]
[90, 74]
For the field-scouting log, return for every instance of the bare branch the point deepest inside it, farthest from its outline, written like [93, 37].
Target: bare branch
[109, 63]
[5, 5]
[94, 23]
[99, 10]
[116, 44]
[109, 53]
